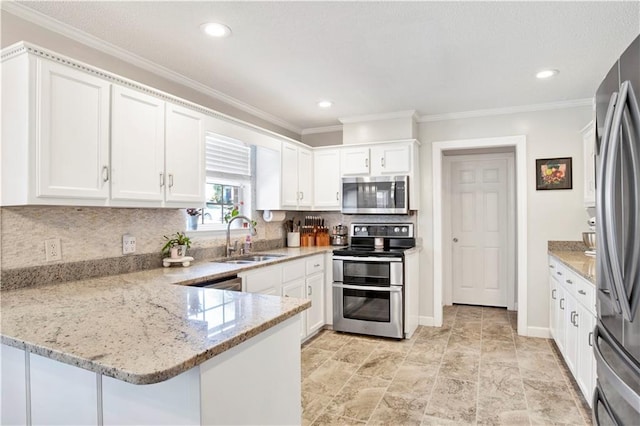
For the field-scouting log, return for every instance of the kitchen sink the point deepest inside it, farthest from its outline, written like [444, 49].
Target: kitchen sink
[251, 258]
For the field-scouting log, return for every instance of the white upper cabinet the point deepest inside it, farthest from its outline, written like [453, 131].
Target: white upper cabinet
[77, 135]
[326, 179]
[394, 159]
[184, 147]
[55, 134]
[355, 161]
[137, 146]
[297, 175]
[589, 155]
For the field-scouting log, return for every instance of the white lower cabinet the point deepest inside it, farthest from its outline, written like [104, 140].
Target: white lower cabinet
[13, 373]
[62, 393]
[300, 278]
[572, 317]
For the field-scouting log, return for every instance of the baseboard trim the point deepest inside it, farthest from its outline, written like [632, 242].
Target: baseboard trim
[428, 321]
[538, 332]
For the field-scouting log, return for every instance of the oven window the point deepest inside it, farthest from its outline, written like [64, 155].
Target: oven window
[369, 273]
[366, 305]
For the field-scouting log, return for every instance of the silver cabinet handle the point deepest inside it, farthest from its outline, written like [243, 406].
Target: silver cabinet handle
[559, 273]
[582, 292]
[553, 294]
[561, 300]
[337, 196]
[170, 180]
[382, 162]
[366, 163]
[105, 173]
[161, 179]
[301, 195]
[575, 319]
[591, 338]
[569, 281]
[573, 313]
[317, 265]
[309, 291]
[455, 240]
[552, 266]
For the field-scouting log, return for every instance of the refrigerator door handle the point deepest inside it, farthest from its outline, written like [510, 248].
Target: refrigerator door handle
[627, 393]
[600, 397]
[604, 178]
[626, 97]
[632, 124]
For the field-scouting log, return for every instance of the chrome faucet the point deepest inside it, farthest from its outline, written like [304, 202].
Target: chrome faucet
[235, 247]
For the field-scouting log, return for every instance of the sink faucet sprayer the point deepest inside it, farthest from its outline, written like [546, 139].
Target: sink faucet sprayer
[252, 228]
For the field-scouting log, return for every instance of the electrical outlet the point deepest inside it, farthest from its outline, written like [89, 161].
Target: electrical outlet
[52, 250]
[128, 244]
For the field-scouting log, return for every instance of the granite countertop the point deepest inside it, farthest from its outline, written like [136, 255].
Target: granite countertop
[571, 254]
[140, 327]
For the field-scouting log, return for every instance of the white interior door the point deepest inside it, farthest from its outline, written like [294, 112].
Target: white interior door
[479, 231]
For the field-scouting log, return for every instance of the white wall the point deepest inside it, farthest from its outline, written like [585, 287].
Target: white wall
[552, 215]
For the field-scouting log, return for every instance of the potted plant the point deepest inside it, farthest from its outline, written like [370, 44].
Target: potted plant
[193, 218]
[235, 211]
[176, 245]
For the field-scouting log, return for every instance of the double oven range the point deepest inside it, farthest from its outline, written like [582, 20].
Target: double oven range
[368, 280]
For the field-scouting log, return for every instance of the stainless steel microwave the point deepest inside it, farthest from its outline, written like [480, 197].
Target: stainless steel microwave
[375, 195]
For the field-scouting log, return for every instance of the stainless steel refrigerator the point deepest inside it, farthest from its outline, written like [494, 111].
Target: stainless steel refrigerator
[616, 339]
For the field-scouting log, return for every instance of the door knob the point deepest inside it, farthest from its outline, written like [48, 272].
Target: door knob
[455, 240]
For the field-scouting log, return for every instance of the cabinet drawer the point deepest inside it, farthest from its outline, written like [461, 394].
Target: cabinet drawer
[315, 264]
[292, 270]
[586, 295]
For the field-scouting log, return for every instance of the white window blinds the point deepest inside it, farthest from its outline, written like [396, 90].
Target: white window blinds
[227, 156]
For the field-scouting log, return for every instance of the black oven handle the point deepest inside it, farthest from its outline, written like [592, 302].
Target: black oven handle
[368, 259]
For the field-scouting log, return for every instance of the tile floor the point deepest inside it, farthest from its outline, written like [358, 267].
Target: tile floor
[473, 370]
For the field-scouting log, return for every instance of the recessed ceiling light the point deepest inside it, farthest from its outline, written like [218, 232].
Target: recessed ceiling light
[325, 104]
[215, 29]
[547, 74]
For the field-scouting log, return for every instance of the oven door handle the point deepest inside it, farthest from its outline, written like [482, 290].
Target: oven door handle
[368, 259]
[390, 289]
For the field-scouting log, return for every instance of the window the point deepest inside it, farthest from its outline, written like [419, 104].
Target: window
[228, 182]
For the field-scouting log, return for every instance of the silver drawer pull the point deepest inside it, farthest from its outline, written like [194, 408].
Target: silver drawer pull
[559, 273]
[561, 300]
[582, 292]
[569, 281]
[551, 266]
[553, 294]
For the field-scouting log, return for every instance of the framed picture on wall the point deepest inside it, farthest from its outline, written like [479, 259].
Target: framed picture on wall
[554, 173]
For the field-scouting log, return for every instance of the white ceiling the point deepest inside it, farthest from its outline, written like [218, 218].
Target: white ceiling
[370, 57]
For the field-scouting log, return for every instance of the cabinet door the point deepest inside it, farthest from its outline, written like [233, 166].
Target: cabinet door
[184, 148]
[571, 338]
[290, 193]
[296, 289]
[315, 292]
[390, 160]
[589, 155]
[553, 306]
[326, 179]
[561, 321]
[137, 146]
[354, 161]
[586, 360]
[72, 146]
[305, 178]
[13, 373]
[265, 280]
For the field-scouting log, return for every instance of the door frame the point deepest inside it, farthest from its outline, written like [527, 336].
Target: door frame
[447, 247]
[519, 143]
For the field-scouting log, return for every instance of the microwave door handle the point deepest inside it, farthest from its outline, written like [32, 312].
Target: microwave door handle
[393, 194]
[610, 219]
[605, 176]
[631, 123]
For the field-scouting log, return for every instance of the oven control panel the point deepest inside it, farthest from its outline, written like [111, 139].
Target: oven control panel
[395, 230]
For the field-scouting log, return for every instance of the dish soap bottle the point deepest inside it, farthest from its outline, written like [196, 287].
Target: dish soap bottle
[247, 244]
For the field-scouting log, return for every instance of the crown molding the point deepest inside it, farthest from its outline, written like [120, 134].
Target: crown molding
[89, 40]
[326, 129]
[507, 110]
[377, 117]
